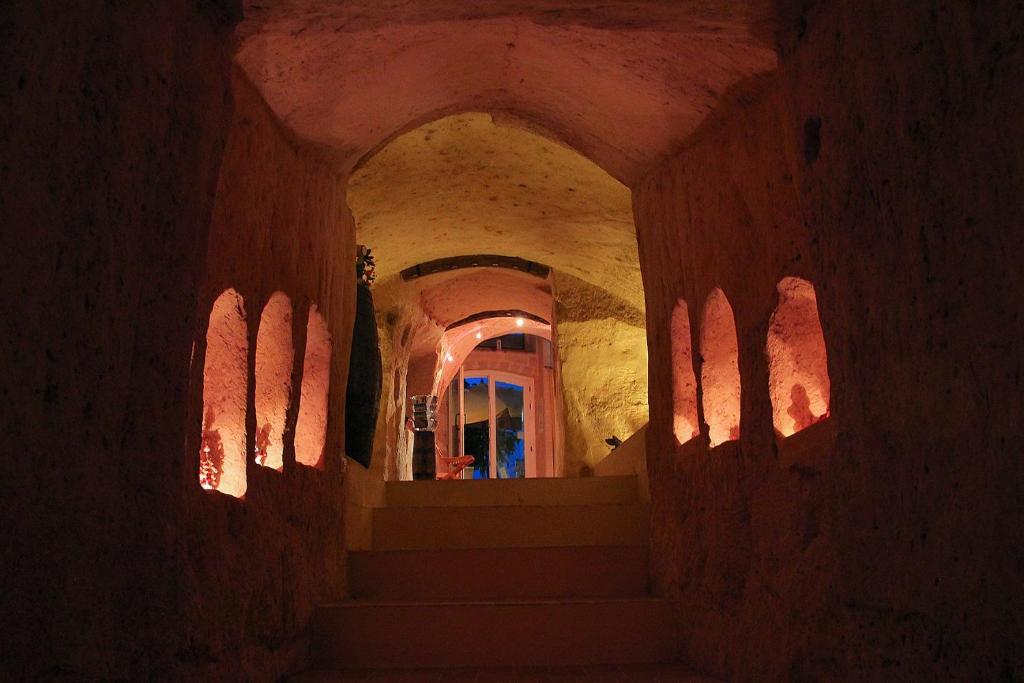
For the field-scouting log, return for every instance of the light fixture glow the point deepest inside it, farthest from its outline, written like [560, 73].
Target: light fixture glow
[479, 335]
[520, 322]
[449, 358]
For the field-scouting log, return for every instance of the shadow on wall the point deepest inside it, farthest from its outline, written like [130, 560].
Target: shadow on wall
[225, 382]
[797, 364]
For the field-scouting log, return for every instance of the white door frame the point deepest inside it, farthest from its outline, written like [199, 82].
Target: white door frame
[529, 417]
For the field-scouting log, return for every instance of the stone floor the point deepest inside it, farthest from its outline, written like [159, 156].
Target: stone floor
[652, 673]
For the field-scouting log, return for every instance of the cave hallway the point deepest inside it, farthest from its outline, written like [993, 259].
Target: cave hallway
[521, 340]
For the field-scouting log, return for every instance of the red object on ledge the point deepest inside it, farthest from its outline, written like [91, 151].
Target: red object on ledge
[455, 465]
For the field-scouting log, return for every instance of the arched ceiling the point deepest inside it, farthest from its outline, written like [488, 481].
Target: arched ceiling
[622, 82]
[456, 344]
[455, 296]
[428, 305]
[464, 185]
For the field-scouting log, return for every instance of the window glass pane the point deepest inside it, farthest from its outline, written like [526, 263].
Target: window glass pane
[477, 429]
[513, 342]
[509, 430]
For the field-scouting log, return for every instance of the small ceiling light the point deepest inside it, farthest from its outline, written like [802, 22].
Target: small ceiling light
[479, 335]
[520, 322]
[449, 358]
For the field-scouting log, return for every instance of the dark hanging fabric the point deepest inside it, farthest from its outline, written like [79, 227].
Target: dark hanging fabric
[362, 400]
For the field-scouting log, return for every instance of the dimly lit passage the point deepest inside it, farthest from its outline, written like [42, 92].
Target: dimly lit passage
[512, 340]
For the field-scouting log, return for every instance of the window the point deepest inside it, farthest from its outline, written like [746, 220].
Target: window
[798, 368]
[508, 342]
[225, 383]
[274, 358]
[684, 382]
[311, 429]
[719, 370]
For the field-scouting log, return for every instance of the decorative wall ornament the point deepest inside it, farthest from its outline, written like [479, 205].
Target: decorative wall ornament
[366, 265]
[422, 413]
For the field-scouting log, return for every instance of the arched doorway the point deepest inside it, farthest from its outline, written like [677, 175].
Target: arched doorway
[492, 417]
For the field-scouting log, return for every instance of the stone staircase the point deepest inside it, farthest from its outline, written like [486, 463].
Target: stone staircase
[522, 573]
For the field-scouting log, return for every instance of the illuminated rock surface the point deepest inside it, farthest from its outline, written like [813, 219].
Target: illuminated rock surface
[154, 156]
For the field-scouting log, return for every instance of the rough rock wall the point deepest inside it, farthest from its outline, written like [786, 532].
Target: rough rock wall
[392, 447]
[407, 371]
[254, 569]
[392, 402]
[602, 350]
[878, 163]
[111, 136]
[117, 565]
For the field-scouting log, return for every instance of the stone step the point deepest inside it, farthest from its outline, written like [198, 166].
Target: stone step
[489, 492]
[510, 526]
[506, 573]
[373, 634]
[619, 673]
